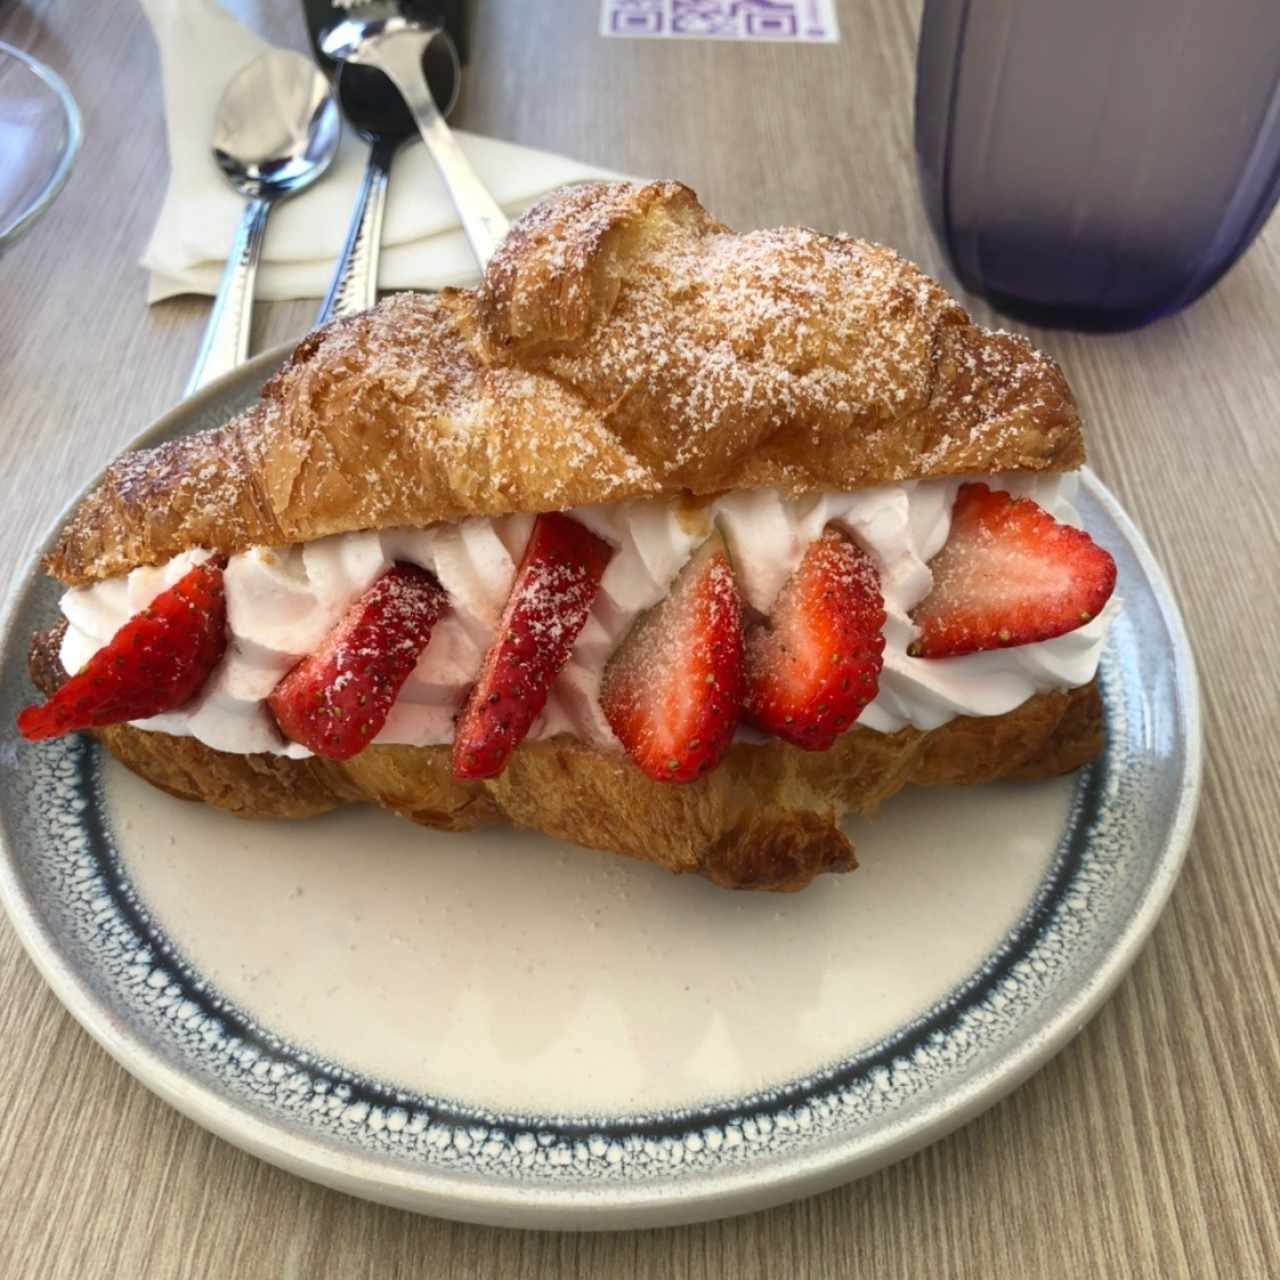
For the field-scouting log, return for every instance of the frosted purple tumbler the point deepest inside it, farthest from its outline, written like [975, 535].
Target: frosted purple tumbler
[1095, 164]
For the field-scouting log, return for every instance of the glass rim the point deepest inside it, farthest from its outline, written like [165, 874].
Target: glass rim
[62, 170]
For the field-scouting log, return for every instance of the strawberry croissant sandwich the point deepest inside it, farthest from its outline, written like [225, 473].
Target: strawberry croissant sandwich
[665, 540]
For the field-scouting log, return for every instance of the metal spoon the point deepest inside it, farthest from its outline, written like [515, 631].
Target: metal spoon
[374, 108]
[395, 45]
[276, 131]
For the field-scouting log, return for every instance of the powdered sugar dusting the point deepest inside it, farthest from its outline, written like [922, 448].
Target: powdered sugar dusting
[624, 345]
[673, 692]
[337, 699]
[721, 342]
[555, 600]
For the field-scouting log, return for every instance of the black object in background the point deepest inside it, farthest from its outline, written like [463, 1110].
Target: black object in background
[454, 13]
[322, 14]
[368, 99]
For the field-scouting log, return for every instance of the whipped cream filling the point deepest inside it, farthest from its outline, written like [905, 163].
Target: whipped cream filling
[281, 602]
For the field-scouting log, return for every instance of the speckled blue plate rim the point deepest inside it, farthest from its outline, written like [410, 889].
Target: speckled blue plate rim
[684, 1195]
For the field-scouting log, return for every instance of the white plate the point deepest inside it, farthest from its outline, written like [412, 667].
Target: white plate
[498, 1027]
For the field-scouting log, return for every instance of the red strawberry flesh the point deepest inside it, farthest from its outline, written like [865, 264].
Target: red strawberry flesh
[815, 665]
[335, 701]
[673, 690]
[554, 587]
[155, 663]
[1009, 574]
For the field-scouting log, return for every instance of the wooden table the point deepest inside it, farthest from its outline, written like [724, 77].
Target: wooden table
[1150, 1147]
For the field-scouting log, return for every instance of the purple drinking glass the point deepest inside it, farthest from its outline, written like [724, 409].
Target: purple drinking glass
[1096, 164]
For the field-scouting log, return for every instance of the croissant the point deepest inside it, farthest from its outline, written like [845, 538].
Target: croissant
[625, 352]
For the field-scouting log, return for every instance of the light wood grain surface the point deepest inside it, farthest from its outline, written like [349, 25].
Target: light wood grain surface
[1149, 1148]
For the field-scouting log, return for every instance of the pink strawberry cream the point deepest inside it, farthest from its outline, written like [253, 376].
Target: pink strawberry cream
[283, 601]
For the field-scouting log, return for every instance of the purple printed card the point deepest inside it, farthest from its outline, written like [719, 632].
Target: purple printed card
[795, 21]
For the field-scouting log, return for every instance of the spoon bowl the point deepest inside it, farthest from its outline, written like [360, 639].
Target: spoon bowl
[277, 126]
[356, 39]
[375, 109]
[396, 46]
[373, 106]
[276, 131]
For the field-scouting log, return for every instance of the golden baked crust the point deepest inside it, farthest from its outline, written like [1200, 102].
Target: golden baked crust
[623, 344]
[765, 818]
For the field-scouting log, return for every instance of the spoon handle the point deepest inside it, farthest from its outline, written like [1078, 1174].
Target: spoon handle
[354, 286]
[483, 221]
[226, 336]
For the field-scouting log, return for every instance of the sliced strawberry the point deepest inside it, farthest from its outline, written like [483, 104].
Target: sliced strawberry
[335, 701]
[1009, 574]
[552, 594]
[157, 661]
[672, 691]
[814, 666]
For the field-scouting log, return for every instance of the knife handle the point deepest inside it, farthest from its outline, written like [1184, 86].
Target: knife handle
[354, 286]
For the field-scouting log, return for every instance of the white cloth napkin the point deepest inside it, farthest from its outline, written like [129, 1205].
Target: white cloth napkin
[201, 48]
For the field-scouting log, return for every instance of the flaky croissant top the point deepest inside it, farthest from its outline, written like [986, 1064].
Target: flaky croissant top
[622, 344]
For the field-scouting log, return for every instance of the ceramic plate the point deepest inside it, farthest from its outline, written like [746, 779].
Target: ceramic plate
[501, 1028]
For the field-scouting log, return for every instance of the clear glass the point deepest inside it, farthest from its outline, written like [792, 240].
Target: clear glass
[39, 137]
[1096, 164]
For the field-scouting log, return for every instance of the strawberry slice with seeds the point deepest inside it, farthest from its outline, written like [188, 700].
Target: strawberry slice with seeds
[156, 662]
[335, 701]
[813, 667]
[550, 599]
[673, 690]
[1008, 574]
